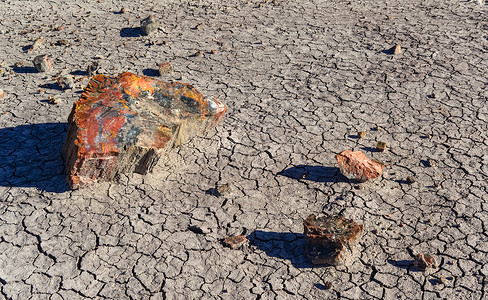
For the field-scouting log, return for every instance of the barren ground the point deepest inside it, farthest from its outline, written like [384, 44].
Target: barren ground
[300, 79]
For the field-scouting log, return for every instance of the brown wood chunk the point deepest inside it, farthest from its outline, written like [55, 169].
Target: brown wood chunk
[331, 239]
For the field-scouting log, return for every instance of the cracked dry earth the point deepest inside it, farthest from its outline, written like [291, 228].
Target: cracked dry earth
[300, 79]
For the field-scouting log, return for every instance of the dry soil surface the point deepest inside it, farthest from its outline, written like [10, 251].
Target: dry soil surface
[300, 78]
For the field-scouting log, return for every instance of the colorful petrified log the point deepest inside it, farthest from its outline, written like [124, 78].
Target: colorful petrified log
[125, 123]
[331, 239]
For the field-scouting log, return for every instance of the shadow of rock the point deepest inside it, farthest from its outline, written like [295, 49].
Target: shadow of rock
[30, 156]
[131, 32]
[403, 264]
[369, 149]
[150, 72]
[283, 245]
[24, 70]
[314, 173]
[79, 73]
[52, 86]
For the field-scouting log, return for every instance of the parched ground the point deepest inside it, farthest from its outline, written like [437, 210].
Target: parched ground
[301, 79]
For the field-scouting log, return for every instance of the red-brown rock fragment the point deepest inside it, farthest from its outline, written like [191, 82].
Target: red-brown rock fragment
[124, 124]
[165, 68]
[234, 242]
[355, 165]
[331, 239]
[423, 262]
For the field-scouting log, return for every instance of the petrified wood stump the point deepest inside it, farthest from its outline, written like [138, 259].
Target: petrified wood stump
[125, 123]
[331, 240]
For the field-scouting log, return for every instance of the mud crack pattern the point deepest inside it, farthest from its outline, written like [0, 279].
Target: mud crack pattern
[301, 79]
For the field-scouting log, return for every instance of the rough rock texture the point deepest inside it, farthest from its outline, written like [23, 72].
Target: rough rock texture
[42, 63]
[331, 240]
[234, 242]
[301, 78]
[149, 25]
[123, 124]
[355, 165]
[423, 262]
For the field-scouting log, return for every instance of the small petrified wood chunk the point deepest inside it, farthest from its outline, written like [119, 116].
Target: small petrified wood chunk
[423, 262]
[125, 123]
[234, 242]
[331, 239]
[355, 165]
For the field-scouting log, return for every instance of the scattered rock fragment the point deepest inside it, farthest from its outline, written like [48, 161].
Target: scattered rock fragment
[92, 68]
[361, 134]
[410, 179]
[165, 68]
[424, 262]
[123, 10]
[42, 63]
[125, 123]
[198, 53]
[331, 240]
[328, 285]
[65, 82]
[355, 165]
[224, 189]
[52, 100]
[380, 146]
[2, 94]
[62, 43]
[397, 49]
[149, 25]
[235, 242]
[37, 44]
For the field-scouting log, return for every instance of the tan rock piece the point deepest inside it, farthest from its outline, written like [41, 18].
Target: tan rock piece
[331, 239]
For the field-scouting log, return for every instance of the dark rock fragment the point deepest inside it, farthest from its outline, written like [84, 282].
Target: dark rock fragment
[92, 68]
[328, 285]
[42, 63]
[62, 43]
[380, 146]
[410, 179]
[65, 81]
[331, 239]
[149, 25]
[424, 262]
